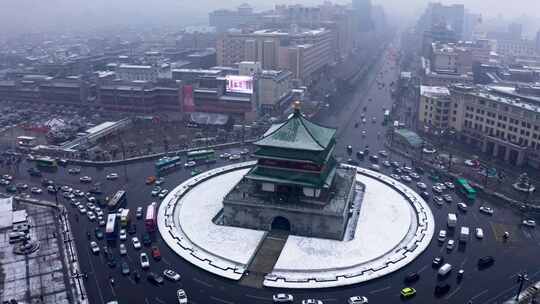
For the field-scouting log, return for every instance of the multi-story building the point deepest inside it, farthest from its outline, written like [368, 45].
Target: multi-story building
[142, 98]
[273, 91]
[304, 53]
[501, 121]
[130, 72]
[434, 107]
[516, 48]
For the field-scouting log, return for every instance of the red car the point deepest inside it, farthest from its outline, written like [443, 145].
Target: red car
[155, 253]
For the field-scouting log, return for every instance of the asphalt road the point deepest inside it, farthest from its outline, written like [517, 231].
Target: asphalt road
[488, 286]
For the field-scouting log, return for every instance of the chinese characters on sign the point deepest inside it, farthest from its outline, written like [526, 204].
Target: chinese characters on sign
[239, 84]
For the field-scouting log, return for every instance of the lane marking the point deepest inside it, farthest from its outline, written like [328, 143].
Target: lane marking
[380, 289]
[258, 298]
[221, 300]
[422, 269]
[160, 300]
[95, 277]
[479, 294]
[453, 292]
[203, 282]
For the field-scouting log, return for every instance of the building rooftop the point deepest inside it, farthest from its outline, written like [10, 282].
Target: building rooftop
[430, 92]
[504, 95]
[297, 133]
[130, 66]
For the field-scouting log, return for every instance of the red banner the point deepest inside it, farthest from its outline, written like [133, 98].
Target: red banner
[188, 105]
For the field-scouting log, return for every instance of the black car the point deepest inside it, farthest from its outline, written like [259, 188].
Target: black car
[34, 172]
[424, 195]
[360, 155]
[154, 278]
[412, 277]
[419, 170]
[132, 229]
[136, 276]
[111, 261]
[146, 240]
[47, 182]
[442, 289]
[486, 261]
[437, 261]
[352, 162]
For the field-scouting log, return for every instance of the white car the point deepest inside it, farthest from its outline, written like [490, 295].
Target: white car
[91, 216]
[375, 168]
[442, 235]
[234, 157]
[486, 210]
[112, 176]
[449, 185]
[182, 297]
[479, 233]
[145, 262]
[102, 223]
[283, 298]
[190, 164]
[225, 155]
[123, 235]
[82, 209]
[36, 190]
[406, 179]
[159, 181]
[529, 223]
[171, 275]
[123, 249]
[450, 245]
[94, 247]
[163, 193]
[462, 206]
[85, 179]
[437, 190]
[136, 243]
[74, 170]
[312, 301]
[383, 153]
[421, 185]
[357, 300]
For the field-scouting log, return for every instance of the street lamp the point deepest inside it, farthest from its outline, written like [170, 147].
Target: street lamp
[522, 277]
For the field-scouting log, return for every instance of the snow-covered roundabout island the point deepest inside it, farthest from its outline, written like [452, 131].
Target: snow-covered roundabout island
[394, 226]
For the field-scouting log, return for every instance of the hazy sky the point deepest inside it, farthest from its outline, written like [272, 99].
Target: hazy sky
[23, 15]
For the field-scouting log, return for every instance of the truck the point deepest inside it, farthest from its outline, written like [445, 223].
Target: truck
[464, 234]
[452, 220]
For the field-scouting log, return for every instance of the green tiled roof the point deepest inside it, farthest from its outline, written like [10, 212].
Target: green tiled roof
[298, 133]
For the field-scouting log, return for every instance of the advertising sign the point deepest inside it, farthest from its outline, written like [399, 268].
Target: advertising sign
[239, 84]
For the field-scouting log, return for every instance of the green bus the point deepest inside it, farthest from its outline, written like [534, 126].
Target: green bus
[167, 163]
[207, 155]
[46, 162]
[466, 189]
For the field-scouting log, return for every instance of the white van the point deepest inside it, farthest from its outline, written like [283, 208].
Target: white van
[464, 234]
[445, 269]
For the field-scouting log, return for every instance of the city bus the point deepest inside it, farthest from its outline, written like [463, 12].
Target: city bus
[124, 218]
[151, 216]
[466, 189]
[117, 200]
[46, 162]
[207, 155]
[110, 228]
[167, 163]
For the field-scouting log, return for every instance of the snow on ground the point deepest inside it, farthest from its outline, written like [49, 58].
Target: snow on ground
[385, 218]
[201, 204]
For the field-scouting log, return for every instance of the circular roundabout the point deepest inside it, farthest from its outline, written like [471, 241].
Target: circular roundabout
[387, 229]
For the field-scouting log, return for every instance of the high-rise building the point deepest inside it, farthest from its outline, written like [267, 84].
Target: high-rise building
[223, 20]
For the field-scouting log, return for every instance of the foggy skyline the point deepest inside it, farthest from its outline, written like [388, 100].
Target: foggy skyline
[33, 15]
